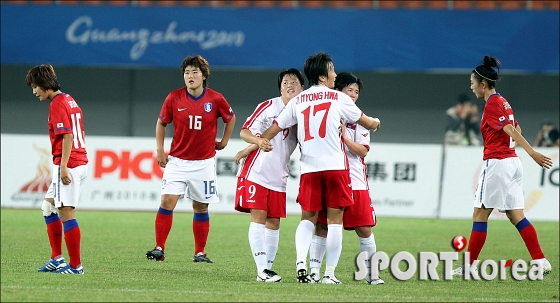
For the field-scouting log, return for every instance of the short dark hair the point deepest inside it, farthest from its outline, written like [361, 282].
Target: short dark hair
[291, 71]
[462, 98]
[344, 79]
[43, 76]
[201, 63]
[317, 65]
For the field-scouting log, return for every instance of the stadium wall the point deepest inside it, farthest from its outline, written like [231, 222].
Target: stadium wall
[405, 179]
[127, 101]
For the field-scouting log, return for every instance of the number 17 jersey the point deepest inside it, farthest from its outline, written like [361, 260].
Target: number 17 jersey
[318, 111]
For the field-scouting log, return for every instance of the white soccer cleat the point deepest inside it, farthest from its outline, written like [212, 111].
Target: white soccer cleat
[377, 281]
[330, 280]
[315, 279]
[458, 271]
[546, 267]
[268, 275]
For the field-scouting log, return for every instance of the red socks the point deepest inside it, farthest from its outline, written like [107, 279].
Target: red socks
[201, 228]
[54, 230]
[164, 220]
[529, 236]
[477, 239]
[72, 236]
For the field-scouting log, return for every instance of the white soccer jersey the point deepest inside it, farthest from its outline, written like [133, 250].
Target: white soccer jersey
[358, 168]
[318, 111]
[269, 169]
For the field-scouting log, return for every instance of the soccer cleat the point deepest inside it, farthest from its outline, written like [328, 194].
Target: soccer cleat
[301, 274]
[330, 280]
[156, 254]
[201, 257]
[377, 281]
[69, 270]
[459, 271]
[314, 278]
[268, 275]
[547, 268]
[52, 265]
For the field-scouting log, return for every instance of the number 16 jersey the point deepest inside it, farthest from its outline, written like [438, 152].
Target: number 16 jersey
[195, 122]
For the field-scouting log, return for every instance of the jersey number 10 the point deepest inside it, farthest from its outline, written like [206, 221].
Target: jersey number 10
[77, 131]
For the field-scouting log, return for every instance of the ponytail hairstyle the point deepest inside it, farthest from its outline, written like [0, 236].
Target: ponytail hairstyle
[488, 71]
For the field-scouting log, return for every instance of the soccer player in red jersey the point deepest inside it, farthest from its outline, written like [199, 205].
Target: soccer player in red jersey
[500, 184]
[325, 179]
[359, 216]
[262, 178]
[190, 167]
[67, 134]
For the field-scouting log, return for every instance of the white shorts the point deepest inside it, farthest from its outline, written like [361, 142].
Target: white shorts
[67, 195]
[500, 185]
[195, 179]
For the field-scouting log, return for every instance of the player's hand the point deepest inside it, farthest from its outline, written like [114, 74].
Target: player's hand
[240, 155]
[65, 175]
[264, 144]
[162, 159]
[376, 124]
[542, 160]
[219, 145]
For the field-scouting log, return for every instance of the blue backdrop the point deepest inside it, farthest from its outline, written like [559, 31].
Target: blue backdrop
[406, 40]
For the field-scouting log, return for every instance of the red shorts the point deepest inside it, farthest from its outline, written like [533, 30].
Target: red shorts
[361, 213]
[250, 195]
[330, 188]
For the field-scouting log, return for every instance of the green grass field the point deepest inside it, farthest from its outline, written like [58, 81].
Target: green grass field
[114, 246]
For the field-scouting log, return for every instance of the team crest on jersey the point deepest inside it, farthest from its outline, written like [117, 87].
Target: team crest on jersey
[207, 107]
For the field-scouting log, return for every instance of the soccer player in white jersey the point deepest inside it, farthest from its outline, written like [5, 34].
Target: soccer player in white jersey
[325, 179]
[262, 177]
[500, 184]
[190, 167]
[67, 134]
[359, 216]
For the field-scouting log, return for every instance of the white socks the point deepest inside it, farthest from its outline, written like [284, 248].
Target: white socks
[316, 253]
[304, 234]
[271, 237]
[256, 242]
[368, 244]
[333, 247]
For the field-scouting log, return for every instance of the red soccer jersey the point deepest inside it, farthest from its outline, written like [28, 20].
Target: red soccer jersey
[66, 117]
[497, 114]
[195, 122]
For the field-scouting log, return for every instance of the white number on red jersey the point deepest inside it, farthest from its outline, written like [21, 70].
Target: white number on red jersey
[77, 131]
